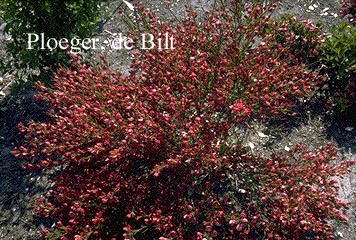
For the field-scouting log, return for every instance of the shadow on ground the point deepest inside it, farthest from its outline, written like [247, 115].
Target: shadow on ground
[18, 187]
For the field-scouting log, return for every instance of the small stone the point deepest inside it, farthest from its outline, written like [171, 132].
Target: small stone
[349, 129]
[242, 191]
[325, 10]
[287, 148]
[311, 8]
[129, 5]
[261, 134]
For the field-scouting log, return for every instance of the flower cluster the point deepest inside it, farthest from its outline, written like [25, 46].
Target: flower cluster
[149, 155]
[348, 8]
[296, 207]
[302, 38]
[349, 96]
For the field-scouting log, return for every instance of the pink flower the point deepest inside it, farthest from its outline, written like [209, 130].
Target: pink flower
[240, 109]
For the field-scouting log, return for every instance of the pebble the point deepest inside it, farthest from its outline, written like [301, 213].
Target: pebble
[261, 134]
[242, 191]
[2, 26]
[129, 5]
[334, 14]
[349, 129]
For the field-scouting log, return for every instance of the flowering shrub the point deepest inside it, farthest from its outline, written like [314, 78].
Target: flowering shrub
[301, 37]
[348, 8]
[296, 207]
[152, 155]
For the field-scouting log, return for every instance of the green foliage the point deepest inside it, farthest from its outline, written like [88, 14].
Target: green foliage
[338, 54]
[56, 19]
